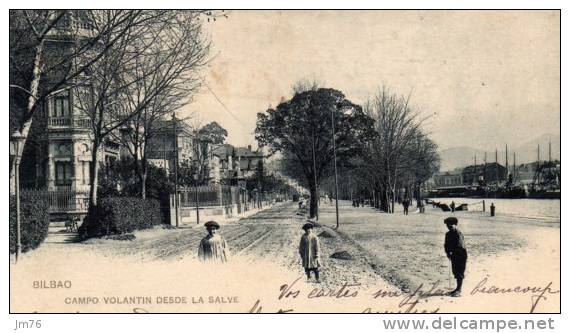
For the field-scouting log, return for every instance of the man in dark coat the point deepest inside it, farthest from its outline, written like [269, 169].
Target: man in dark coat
[456, 252]
[406, 204]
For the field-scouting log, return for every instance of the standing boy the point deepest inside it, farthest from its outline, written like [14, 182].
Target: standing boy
[213, 247]
[310, 251]
[456, 252]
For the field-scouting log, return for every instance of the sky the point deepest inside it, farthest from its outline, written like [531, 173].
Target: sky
[485, 78]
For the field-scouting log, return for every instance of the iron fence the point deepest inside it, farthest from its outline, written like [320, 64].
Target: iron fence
[61, 201]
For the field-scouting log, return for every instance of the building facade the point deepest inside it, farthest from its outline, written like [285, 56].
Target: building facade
[482, 174]
[449, 178]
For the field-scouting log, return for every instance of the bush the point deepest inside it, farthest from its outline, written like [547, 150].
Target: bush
[34, 220]
[121, 215]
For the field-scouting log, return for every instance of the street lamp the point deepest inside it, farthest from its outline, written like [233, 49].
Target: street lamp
[335, 171]
[16, 142]
[176, 203]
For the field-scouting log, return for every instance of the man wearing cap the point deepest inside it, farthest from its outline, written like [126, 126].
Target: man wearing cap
[213, 247]
[456, 252]
[310, 251]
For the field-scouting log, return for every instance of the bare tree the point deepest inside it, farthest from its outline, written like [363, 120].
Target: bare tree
[391, 154]
[45, 46]
[101, 94]
[168, 72]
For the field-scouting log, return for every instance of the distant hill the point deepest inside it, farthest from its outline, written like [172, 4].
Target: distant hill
[457, 157]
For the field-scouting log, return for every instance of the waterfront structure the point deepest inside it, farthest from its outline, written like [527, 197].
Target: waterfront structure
[482, 174]
[449, 178]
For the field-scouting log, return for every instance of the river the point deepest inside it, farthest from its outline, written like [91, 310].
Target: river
[547, 210]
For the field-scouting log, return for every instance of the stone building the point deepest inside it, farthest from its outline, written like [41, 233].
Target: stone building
[482, 174]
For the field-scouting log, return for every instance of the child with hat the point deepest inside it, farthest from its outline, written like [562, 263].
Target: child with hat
[213, 247]
[309, 249]
[456, 252]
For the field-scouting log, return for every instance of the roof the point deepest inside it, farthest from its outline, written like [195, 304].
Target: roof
[168, 125]
[225, 150]
[246, 152]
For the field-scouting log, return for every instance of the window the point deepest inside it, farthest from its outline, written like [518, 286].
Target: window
[63, 173]
[61, 105]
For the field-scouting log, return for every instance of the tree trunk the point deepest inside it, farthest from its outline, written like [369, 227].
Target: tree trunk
[94, 173]
[143, 185]
[143, 176]
[418, 193]
[393, 198]
[313, 209]
[32, 100]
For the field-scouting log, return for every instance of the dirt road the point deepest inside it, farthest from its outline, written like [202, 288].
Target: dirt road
[272, 234]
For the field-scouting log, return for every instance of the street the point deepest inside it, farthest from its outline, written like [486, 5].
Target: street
[264, 257]
[272, 234]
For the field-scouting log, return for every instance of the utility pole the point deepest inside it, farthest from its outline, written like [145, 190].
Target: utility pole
[175, 166]
[315, 180]
[335, 171]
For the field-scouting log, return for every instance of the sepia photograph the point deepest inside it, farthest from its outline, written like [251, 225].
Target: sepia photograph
[284, 161]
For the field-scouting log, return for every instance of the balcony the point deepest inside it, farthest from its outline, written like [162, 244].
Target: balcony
[69, 122]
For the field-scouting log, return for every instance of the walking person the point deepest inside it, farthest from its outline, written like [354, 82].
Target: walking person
[452, 206]
[456, 252]
[406, 204]
[310, 250]
[213, 247]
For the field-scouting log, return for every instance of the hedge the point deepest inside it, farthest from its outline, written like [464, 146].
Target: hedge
[120, 215]
[34, 221]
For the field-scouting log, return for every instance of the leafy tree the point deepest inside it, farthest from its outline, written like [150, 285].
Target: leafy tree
[302, 128]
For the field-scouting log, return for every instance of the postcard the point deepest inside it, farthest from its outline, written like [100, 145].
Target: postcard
[285, 161]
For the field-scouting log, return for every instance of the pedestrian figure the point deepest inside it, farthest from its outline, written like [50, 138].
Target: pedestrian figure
[452, 206]
[309, 249]
[213, 247]
[456, 253]
[406, 204]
